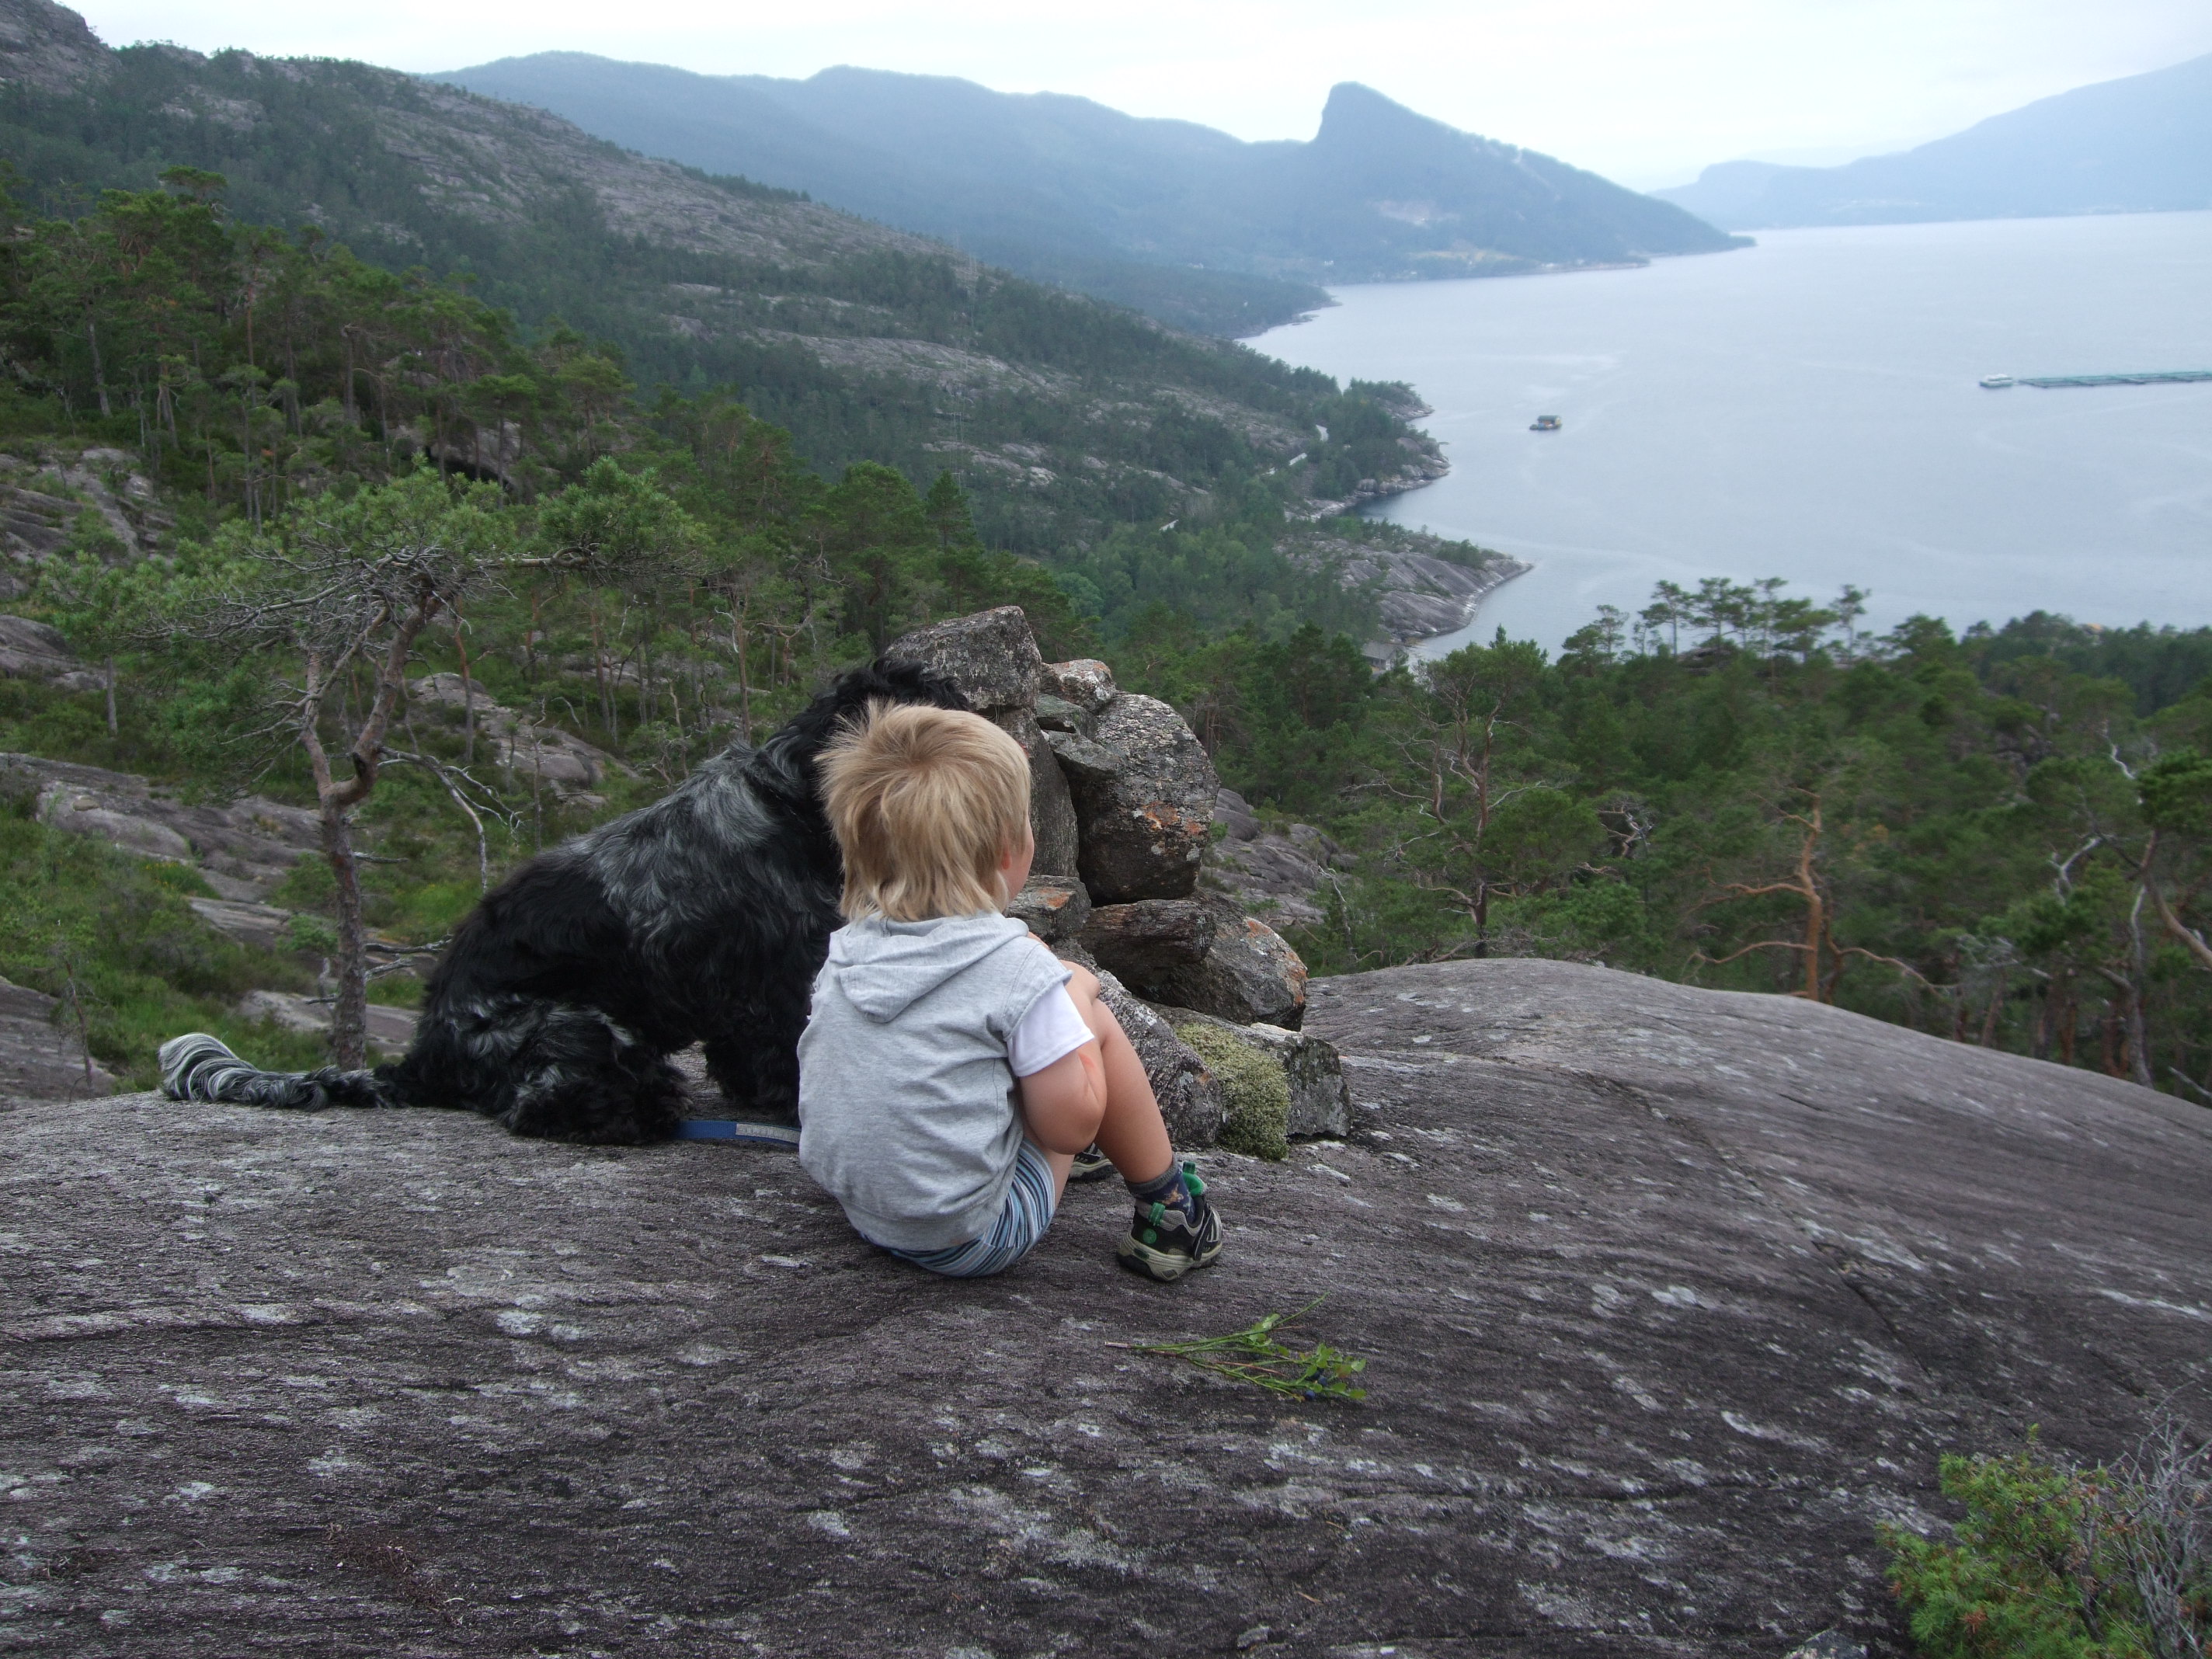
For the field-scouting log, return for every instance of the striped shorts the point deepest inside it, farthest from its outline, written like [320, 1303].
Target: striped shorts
[1030, 1204]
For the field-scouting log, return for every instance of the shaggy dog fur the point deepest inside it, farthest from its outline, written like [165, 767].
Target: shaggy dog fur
[702, 918]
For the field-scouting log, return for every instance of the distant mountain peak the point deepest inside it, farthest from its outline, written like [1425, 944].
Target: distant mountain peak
[2142, 143]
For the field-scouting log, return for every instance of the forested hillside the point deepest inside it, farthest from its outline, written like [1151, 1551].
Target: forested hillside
[2004, 838]
[1062, 417]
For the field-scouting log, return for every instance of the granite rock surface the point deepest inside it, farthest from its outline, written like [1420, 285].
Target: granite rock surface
[243, 849]
[1668, 1296]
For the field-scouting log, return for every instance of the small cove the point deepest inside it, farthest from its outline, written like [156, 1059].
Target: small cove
[1808, 408]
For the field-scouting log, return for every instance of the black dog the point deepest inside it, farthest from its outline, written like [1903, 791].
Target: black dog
[702, 918]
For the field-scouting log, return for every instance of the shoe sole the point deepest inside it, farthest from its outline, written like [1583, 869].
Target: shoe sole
[1164, 1266]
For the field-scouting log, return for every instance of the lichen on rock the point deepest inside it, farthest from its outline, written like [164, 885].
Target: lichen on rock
[1255, 1091]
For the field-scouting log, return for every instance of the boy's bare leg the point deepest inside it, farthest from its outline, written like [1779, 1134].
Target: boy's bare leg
[1131, 1134]
[1059, 1163]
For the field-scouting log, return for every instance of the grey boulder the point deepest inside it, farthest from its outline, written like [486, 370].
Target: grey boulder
[1085, 684]
[1251, 973]
[1144, 791]
[1150, 943]
[1054, 907]
[1203, 953]
[993, 658]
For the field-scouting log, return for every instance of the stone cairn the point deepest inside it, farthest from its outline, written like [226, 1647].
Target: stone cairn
[1122, 800]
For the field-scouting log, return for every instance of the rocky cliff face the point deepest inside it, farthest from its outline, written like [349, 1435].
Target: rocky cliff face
[1667, 1295]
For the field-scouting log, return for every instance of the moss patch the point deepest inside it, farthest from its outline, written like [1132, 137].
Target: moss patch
[1256, 1091]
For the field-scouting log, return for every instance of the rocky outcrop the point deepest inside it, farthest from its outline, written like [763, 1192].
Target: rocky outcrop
[1283, 876]
[43, 500]
[529, 751]
[390, 1030]
[242, 849]
[48, 48]
[41, 1058]
[1419, 591]
[33, 651]
[1668, 1297]
[1138, 794]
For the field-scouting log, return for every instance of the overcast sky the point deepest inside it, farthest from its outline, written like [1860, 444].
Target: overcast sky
[1645, 91]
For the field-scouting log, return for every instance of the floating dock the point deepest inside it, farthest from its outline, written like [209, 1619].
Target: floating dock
[2169, 377]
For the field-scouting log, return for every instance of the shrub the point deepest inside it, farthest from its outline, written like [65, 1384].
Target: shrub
[2056, 1562]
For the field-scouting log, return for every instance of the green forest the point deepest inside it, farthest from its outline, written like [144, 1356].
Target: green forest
[2004, 838]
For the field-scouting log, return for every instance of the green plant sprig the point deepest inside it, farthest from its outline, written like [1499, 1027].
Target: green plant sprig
[1254, 1355]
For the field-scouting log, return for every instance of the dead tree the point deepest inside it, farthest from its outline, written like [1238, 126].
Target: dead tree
[1823, 959]
[330, 588]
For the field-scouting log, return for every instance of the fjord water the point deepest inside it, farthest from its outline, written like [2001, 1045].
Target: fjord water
[1808, 408]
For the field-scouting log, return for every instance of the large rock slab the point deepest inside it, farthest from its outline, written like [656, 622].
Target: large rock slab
[1144, 789]
[531, 753]
[1668, 1297]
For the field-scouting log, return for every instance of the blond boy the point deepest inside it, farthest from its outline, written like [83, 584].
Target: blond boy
[952, 1066]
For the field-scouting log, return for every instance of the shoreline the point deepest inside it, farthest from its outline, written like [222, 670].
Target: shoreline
[1500, 570]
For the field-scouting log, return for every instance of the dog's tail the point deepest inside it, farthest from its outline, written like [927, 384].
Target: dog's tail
[195, 1067]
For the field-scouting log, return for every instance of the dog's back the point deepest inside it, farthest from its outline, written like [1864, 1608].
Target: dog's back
[701, 917]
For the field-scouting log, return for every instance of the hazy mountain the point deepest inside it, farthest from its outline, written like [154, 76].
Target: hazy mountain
[1066, 188]
[2141, 144]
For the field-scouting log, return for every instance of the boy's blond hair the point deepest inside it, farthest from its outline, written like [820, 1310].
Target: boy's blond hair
[923, 802]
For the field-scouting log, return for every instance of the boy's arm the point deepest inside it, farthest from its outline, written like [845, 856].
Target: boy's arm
[1063, 1103]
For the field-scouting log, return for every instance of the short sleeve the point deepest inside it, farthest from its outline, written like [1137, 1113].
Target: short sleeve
[1051, 1031]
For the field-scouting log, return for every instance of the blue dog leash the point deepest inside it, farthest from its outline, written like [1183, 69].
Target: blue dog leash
[778, 1135]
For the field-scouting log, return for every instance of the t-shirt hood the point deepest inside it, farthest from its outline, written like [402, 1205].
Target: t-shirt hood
[883, 967]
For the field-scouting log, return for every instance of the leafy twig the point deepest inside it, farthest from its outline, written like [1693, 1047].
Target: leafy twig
[1253, 1355]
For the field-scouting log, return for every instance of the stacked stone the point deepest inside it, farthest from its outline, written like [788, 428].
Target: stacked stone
[1122, 800]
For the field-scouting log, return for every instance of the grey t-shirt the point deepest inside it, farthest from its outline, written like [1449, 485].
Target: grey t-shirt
[906, 1102]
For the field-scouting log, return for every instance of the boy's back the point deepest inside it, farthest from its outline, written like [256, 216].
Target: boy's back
[906, 1098]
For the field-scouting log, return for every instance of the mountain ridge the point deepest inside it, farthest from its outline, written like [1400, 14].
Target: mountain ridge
[1043, 181]
[2140, 143]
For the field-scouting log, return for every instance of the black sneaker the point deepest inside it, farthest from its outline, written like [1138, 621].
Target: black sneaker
[1090, 1164]
[1167, 1241]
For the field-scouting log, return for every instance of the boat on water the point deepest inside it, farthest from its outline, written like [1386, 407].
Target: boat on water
[1545, 424]
[1995, 382]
